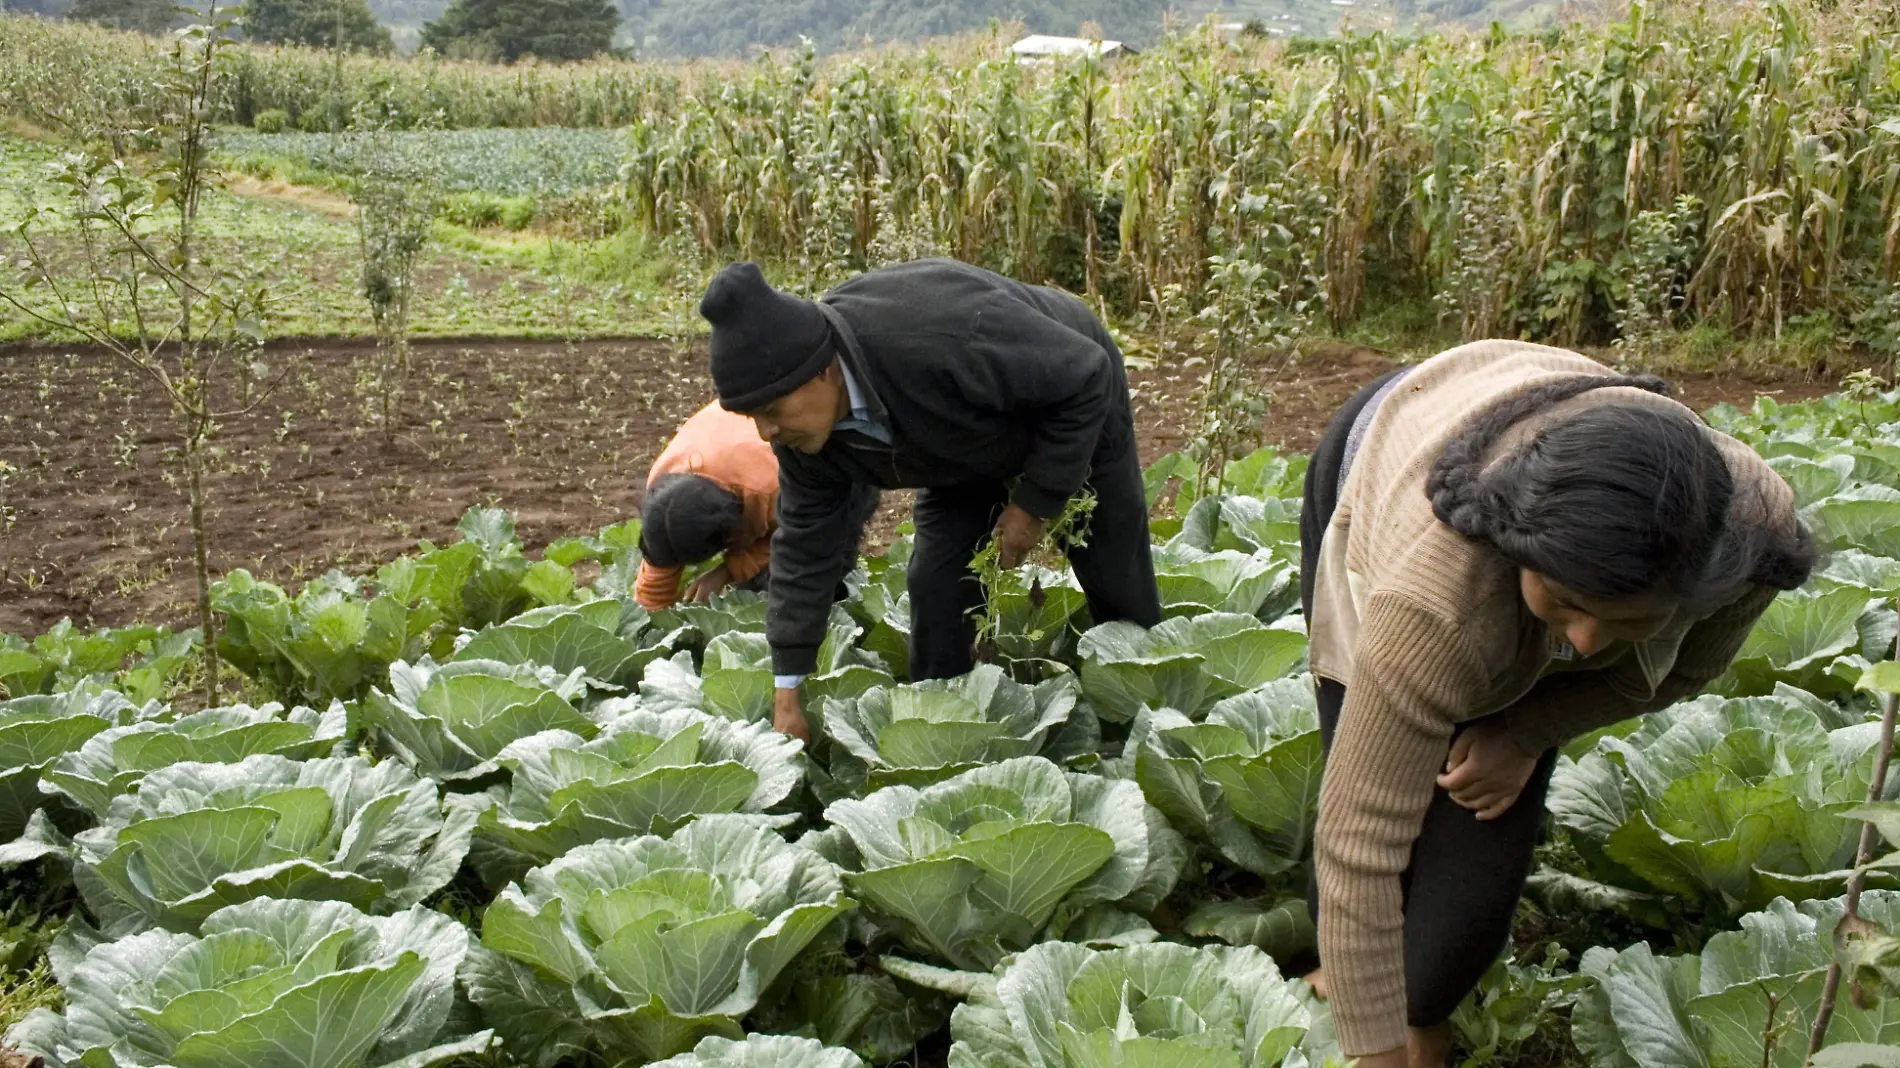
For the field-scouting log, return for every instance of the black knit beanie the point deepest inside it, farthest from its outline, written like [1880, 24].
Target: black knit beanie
[765, 344]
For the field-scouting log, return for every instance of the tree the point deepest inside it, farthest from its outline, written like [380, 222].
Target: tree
[319, 23]
[48, 8]
[510, 29]
[145, 16]
[151, 293]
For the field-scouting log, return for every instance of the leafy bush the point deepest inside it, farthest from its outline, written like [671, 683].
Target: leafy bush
[271, 121]
[1186, 664]
[1722, 805]
[980, 864]
[195, 838]
[291, 984]
[646, 773]
[326, 643]
[1065, 1004]
[339, 634]
[480, 580]
[138, 661]
[637, 949]
[451, 721]
[112, 762]
[926, 732]
[1245, 781]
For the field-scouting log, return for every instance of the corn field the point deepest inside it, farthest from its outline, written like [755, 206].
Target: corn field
[1689, 163]
[1695, 162]
[73, 76]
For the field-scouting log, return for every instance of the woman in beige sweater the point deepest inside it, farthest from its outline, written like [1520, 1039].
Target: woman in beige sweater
[1505, 547]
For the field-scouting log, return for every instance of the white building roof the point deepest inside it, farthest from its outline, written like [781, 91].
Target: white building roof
[1042, 45]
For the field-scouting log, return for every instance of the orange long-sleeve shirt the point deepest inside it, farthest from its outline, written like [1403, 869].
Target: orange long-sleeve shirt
[725, 448]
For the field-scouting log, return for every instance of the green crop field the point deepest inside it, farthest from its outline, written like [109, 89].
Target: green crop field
[334, 737]
[544, 162]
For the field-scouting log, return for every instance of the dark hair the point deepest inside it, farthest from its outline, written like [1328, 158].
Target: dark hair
[1613, 502]
[686, 519]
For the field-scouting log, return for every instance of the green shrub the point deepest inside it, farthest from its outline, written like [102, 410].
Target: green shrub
[276, 120]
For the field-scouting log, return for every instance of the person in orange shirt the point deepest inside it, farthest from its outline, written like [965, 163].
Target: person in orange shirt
[713, 490]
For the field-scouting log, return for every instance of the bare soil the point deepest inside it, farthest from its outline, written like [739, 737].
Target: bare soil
[560, 434]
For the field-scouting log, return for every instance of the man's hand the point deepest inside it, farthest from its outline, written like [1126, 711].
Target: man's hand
[1017, 535]
[788, 715]
[711, 584]
[1487, 770]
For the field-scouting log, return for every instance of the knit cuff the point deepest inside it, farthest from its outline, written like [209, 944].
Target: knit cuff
[1368, 1033]
[1536, 729]
[794, 659]
[1041, 503]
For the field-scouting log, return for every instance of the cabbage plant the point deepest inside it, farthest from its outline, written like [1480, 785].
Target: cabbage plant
[1749, 998]
[646, 773]
[139, 661]
[1061, 1005]
[195, 838]
[602, 639]
[926, 732]
[734, 679]
[637, 949]
[1193, 581]
[35, 732]
[112, 762]
[451, 721]
[1819, 640]
[980, 864]
[282, 984]
[1722, 804]
[1245, 781]
[1186, 663]
[764, 1051]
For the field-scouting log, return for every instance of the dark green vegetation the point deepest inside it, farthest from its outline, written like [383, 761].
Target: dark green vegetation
[1686, 184]
[457, 753]
[472, 793]
[318, 23]
[508, 30]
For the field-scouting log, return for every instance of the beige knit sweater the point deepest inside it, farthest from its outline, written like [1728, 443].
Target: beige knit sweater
[1428, 630]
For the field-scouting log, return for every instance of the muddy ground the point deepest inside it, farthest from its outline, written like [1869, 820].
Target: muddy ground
[93, 511]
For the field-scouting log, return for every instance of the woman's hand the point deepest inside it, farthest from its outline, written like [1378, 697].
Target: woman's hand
[1486, 770]
[711, 584]
[1392, 1058]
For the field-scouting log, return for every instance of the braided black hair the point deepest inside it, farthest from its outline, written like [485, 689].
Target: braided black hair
[1614, 502]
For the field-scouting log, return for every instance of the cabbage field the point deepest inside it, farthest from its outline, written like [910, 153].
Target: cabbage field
[479, 807]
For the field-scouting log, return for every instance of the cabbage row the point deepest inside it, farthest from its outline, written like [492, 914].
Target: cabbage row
[499, 809]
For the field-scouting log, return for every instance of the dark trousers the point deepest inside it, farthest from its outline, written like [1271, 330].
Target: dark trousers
[1462, 886]
[1115, 568]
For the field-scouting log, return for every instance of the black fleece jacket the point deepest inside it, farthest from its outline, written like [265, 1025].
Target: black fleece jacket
[976, 377]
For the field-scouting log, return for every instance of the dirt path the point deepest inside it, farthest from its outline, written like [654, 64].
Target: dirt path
[560, 434]
[321, 201]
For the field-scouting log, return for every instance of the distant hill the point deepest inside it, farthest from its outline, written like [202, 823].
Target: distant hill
[733, 27]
